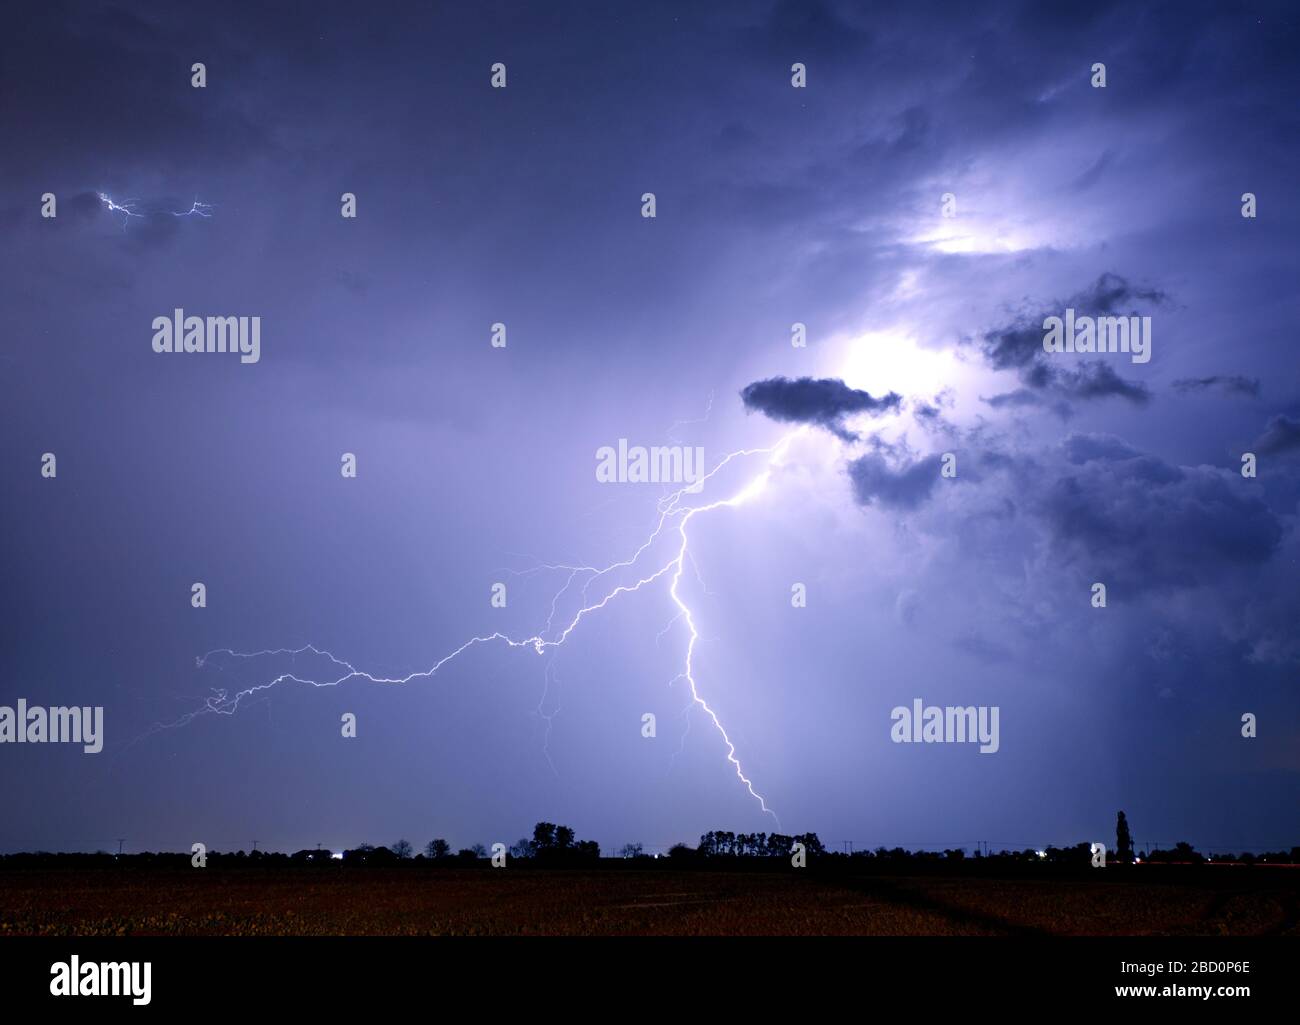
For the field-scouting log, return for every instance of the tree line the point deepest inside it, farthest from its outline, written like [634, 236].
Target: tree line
[558, 845]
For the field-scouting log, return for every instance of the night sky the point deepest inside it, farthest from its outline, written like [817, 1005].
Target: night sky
[775, 205]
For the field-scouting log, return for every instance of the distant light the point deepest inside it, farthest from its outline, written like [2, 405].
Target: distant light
[1041, 854]
[336, 855]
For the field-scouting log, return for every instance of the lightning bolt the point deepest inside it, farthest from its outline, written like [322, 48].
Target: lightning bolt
[548, 717]
[672, 509]
[130, 208]
[196, 208]
[126, 208]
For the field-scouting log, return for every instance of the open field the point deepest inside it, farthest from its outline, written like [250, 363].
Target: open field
[1168, 900]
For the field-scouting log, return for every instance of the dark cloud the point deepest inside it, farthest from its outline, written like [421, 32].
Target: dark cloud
[1024, 398]
[930, 416]
[1086, 448]
[1137, 521]
[1014, 399]
[1014, 346]
[905, 488]
[1117, 514]
[1020, 343]
[823, 401]
[1281, 434]
[1229, 384]
[1112, 295]
[1091, 379]
[1019, 346]
[1098, 380]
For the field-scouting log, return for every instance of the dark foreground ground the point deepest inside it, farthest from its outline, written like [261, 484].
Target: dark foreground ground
[1155, 900]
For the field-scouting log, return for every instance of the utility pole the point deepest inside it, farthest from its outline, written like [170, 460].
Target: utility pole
[120, 840]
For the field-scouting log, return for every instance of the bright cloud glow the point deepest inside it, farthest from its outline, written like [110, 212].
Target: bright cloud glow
[885, 361]
[967, 236]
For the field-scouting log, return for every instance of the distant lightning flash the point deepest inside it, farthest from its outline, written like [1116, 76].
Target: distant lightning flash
[126, 208]
[671, 508]
[196, 208]
[548, 717]
[130, 208]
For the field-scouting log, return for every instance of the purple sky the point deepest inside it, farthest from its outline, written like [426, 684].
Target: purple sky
[775, 205]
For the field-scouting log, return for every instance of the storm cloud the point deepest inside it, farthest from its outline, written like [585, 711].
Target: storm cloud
[904, 488]
[1148, 524]
[824, 402]
[1281, 434]
[775, 204]
[1019, 346]
[1228, 384]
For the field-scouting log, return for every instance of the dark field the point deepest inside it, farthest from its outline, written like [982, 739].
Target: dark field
[1166, 900]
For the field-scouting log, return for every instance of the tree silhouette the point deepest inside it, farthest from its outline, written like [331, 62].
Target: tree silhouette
[813, 845]
[1123, 840]
[402, 849]
[437, 849]
[557, 844]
